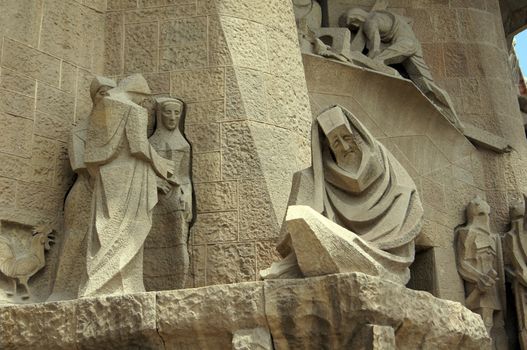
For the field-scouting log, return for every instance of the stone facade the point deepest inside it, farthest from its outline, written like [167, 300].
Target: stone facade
[250, 98]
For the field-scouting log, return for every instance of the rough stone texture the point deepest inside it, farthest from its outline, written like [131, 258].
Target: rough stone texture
[296, 312]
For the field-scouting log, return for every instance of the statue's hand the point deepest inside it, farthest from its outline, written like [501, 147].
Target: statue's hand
[163, 186]
[487, 281]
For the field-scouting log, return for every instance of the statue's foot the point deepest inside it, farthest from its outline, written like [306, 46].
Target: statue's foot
[286, 268]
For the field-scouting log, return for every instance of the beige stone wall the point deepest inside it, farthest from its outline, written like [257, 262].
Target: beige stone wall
[238, 66]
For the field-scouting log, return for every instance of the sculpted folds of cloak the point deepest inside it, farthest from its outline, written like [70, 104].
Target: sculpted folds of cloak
[356, 183]
[123, 165]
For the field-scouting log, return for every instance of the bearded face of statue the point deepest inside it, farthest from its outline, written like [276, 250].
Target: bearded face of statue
[345, 149]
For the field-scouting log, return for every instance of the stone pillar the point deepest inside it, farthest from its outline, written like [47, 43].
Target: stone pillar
[238, 67]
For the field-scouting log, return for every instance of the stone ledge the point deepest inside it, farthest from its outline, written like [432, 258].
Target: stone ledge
[314, 313]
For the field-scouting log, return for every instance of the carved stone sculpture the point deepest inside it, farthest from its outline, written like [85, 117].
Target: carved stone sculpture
[480, 264]
[389, 40]
[515, 253]
[173, 213]
[123, 166]
[363, 212]
[77, 208]
[21, 265]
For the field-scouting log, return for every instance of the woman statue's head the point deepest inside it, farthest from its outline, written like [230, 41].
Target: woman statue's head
[353, 18]
[169, 112]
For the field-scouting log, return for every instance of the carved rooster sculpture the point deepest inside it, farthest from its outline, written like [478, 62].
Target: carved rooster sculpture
[22, 266]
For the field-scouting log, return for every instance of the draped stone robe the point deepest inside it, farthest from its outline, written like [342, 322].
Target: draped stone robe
[379, 204]
[121, 162]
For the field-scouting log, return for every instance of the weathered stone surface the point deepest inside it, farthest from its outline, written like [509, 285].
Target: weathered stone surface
[206, 167]
[206, 318]
[231, 263]
[198, 85]
[10, 80]
[215, 228]
[140, 53]
[216, 196]
[296, 312]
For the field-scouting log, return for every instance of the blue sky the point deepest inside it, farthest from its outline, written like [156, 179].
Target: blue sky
[521, 50]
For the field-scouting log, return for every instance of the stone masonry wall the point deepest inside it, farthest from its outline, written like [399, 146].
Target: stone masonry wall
[238, 67]
[49, 50]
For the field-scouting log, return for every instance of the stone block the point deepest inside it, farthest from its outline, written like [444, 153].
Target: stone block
[159, 83]
[205, 112]
[258, 220]
[31, 62]
[16, 135]
[68, 77]
[444, 22]
[206, 167]
[219, 52]
[186, 321]
[56, 103]
[56, 128]
[183, 57]
[245, 95]
[203, 137]
[155, 3]
[216, 196]
[56, 330]
[114, 42]
[161, 14]
[101, 327]
[434, 57]
[84, 103]
[14, 167]
[13, 81]
[121, 4]
[39, 198]
[240, 158]
[29, 13]
[97, 5]
[297, 309]
[456, 61]
[183, 32]
[7, 192]
[140, 48]
[245, 42]
[198, 85]
[215, 228]
[231, 263]
[70, 31]
[16, 105]
[470, 21]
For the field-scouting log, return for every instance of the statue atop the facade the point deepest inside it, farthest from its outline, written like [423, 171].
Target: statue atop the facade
[123, 167]
[515, 256]
[479, 262]
[173, 213]
[77, 207]
[355, 209]
[389, 39]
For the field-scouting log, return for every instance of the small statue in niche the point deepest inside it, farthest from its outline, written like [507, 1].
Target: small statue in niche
[22, 266]
[77, 207]
[515, 253]
[173, 213]
[479, 262]
[355, 210]
[123, 167]
[390, 40]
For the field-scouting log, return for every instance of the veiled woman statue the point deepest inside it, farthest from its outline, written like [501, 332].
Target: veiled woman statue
[355, 209]
[173, 213]
[123, 166]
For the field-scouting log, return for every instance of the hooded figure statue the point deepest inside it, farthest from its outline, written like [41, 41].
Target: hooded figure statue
[123, 166]
[364, 208]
